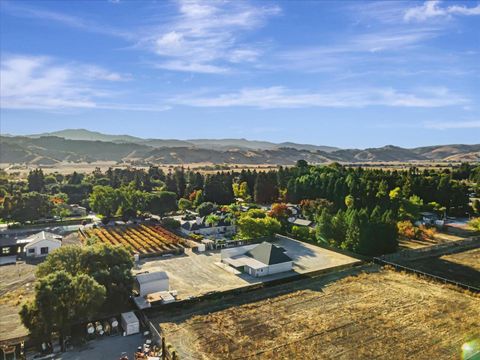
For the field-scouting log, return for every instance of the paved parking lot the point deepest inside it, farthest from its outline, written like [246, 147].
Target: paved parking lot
[107, 348]
[198, 274]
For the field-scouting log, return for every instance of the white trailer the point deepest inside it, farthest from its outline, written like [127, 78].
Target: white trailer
[130, 323]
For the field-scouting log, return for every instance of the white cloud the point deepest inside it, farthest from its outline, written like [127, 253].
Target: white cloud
[448, 125]
[29, 12]
[205, 36]
[281, 97]
[40, 82]
[432, 9]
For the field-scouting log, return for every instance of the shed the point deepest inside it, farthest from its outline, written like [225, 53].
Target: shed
[150, 283]
[130, 323]
[42, 244]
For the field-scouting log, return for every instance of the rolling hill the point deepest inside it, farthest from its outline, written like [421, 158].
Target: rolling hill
[85, 146]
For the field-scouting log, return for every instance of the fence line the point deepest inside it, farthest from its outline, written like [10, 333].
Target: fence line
[427, 275]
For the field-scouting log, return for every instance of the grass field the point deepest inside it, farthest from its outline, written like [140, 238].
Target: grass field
[375, 315]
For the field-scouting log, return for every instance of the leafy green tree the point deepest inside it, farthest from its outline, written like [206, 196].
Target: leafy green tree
[218, 189]
[171, 223]
[349, 201]
[352, 236]
[60, 300]
[303, 233]
[36, 180]
[265, 190]
[104, 200]
[162, 202]
[180, 181]
[249, 227]
[212, 220]
[206, 208]
[411, 208]
[26, 206]
[324, 228]
[184, 204]
[241, 190]
[109, 265]
[131, 201]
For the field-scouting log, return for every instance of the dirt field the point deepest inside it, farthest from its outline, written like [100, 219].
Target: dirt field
[15, 287]
[377, 315]
[463, 267]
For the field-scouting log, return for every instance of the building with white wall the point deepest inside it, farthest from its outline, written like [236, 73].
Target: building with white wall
[41, 244]
[150, 283]
[258, 260]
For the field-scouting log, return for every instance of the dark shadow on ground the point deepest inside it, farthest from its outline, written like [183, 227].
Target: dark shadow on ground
[446, 269]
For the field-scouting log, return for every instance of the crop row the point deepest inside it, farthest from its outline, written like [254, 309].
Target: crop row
[142, 239]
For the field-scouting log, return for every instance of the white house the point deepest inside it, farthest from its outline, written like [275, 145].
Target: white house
[42, 244]
[150, 283]
[199, 227]
[258, 260]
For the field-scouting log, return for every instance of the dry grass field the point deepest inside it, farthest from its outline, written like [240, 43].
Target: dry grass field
[375, 315]
[16, 286]
[68, 168]
[463, 267]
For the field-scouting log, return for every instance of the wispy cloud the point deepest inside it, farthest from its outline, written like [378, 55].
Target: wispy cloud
[354, 51]
[30, 12]
[205, 36]
[432, 9]
[448, 125]
[281, 97]
[40, 82]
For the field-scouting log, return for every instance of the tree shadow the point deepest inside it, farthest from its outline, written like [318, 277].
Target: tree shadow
[447, 269]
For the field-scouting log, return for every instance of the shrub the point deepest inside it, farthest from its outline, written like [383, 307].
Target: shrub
[474, 224]
[171, 223]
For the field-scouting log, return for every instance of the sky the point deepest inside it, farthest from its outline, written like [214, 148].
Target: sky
[350, 74]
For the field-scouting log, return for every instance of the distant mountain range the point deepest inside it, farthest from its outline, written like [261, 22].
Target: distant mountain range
[80, 145]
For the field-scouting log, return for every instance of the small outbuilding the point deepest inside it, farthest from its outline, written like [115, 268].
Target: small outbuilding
[150, 283]
[41, 244]
[130, 323]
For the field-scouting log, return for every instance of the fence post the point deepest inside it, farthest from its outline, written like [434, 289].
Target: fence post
[164, 354]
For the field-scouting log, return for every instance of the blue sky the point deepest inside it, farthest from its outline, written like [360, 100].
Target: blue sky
[348, 74]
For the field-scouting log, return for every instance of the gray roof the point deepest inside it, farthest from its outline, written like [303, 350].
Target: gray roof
[42, 235]
[269, 254]
[154, 276]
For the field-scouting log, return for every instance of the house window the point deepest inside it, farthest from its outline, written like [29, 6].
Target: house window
[44, 250]
[31, 251]
[5, 250]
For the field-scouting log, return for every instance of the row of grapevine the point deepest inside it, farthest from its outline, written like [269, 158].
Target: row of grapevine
[141, 239]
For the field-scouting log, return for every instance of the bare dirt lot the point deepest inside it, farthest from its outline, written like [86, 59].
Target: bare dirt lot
[16, 286]
[375, 315]
[197, 274]
[463, 267]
